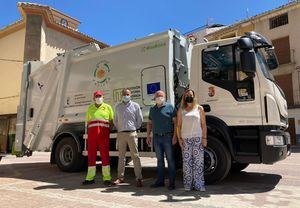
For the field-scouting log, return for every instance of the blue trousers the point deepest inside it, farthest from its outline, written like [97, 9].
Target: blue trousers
[163, 145]
[193, 163]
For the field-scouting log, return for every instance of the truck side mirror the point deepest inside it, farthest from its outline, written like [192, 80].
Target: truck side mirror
[245, 43]
[247, 59]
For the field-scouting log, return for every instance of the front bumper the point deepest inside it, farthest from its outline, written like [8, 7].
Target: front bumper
[274, 153]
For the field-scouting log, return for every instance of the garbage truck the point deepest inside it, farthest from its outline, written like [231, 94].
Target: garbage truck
[246, 111]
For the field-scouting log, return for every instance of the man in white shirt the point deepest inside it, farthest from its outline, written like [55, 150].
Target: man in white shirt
[128, 118]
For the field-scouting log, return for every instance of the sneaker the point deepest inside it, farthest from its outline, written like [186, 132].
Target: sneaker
[86, 182]
[119, 181]
[107, 183]
[139, 183]
[156, 185]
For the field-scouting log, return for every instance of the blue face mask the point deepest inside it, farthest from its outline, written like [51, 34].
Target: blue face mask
[126, 98]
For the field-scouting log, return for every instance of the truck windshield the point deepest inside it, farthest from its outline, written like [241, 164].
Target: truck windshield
[265, 67]
[261, 57]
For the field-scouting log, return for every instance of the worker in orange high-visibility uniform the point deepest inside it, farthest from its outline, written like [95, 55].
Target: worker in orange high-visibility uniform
[99, 117]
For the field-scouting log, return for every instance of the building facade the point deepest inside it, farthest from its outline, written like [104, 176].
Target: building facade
[41, 33]
[281, 26]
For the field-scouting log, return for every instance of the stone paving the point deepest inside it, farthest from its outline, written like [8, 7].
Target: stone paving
[33, 182]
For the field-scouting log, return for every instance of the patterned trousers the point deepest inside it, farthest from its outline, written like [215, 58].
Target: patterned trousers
[193, 163]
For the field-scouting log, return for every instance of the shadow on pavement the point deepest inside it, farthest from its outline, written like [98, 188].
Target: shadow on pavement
[295, 149]
[236, 183]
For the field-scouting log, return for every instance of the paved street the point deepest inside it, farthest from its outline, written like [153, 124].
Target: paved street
[33, 182]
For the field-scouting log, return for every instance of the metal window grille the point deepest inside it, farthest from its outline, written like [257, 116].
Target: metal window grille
[279, 21]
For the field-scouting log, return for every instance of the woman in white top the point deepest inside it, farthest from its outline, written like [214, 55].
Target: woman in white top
[192, 133]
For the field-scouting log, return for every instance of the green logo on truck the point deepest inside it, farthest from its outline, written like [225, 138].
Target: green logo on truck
[153, 46]
[101, 73]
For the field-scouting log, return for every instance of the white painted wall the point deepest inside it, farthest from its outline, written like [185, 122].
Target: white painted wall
[53, 42]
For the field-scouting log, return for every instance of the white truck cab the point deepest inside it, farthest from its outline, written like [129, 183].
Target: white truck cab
[246, 109]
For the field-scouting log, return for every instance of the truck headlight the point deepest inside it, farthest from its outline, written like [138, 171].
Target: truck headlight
[274, 140]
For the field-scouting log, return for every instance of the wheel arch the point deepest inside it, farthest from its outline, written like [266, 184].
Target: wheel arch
[220, 130]
[66, 133]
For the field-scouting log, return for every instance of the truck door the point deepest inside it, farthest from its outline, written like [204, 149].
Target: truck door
[153, 79]
[232, 94]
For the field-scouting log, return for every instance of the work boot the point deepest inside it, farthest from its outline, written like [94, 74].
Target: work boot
[139, 183]
[107, 183]
[86, 182]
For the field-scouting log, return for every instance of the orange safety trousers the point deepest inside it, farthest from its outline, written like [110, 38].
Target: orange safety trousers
[98, 139]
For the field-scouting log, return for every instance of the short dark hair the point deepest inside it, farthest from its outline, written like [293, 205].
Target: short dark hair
[125, 89]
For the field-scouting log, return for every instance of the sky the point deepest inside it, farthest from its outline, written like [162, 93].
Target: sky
[118, 21]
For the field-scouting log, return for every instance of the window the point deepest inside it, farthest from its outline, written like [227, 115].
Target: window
[279, 21]
[282, 49]
[64, 22]
[218, 64]
[7, 133]
[222, 68]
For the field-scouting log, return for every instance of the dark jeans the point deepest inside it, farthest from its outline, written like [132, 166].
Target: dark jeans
[163, 145]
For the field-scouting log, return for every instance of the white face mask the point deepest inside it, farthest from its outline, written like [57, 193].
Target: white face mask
[126, 98]
[99, 100]
[159, 100]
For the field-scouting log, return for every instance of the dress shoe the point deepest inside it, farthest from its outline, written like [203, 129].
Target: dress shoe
[139, 183]
[156, 185]
[171, 187]
[119, 181]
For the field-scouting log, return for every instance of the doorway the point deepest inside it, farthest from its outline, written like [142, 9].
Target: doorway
[292, 130]
[7, 133]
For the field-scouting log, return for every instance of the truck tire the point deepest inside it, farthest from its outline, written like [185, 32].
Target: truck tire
[67, 157]
[217, 161]
[237, 167]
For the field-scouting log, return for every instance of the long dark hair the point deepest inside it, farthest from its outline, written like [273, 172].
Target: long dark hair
[183, 102]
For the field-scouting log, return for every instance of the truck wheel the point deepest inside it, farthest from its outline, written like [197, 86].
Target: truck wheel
[217, 161]
[237, 167]
[67, 156]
